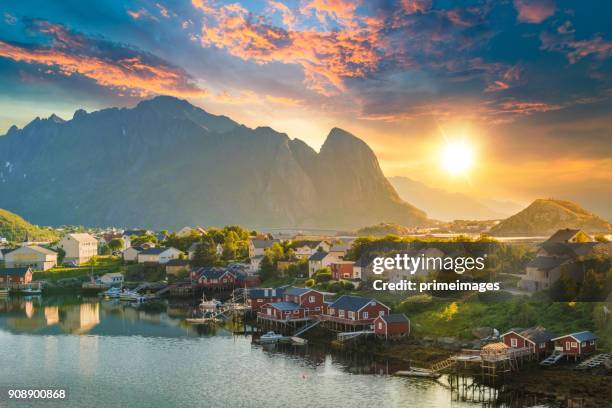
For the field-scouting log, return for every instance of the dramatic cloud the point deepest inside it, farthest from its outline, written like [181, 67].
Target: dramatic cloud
[111, 65]
[534, 11]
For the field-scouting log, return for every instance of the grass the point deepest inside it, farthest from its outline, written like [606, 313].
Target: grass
[281, 281]
[100, 266]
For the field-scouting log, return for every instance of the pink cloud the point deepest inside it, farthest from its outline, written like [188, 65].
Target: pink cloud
[534, 11]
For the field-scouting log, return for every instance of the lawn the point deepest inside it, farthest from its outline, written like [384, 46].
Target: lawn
[100, 266]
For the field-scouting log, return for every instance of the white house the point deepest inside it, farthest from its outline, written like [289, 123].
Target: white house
[306, 249]
[79, 248]
[131, 254]
[320, 260]
[112, 279]
[159, 255]
[257, 247]
[32, 256]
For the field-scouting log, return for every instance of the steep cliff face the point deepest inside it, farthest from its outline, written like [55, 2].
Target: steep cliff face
[166, 163]
[546, 216]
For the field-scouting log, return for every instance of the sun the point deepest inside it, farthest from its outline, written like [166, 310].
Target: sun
[457, 157]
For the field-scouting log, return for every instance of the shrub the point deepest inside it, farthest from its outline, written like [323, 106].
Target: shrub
[310, 283]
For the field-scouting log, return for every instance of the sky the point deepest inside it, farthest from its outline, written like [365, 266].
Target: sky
[526, 85]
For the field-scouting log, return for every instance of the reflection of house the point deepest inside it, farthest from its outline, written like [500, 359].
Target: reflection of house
[159, 255]
[33, 256]
[560, 254]
[80, 319]
[16, 275]
[538, 339]
[52, 315]
[79, 248]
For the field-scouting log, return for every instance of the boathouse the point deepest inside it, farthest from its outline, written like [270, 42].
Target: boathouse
[577, 344]
[257, 297]
[16, 275]
[392, 326]
[349, 312]
[537, 338]
[216, 278]
[309, 299]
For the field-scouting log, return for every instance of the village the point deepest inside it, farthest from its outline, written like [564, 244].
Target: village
[321, 288]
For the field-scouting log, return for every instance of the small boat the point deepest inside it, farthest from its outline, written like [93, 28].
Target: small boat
[202, 320]
[418, 372]
[112, 293]
[270, 337]
[298, 341]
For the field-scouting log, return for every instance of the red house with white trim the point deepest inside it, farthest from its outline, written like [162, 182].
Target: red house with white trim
[577, 344]
[538, 339]
[217, 278]
[393, 326]
[257, 297]
[355, 310]
[297, 304]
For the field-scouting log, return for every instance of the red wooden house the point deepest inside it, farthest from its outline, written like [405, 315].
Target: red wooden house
[538, 339]
[577, 344]
[216, 278]
[257, 297]
[394, 326]
[16, 275]
[297, 304]
[342, 270]
[355, 311]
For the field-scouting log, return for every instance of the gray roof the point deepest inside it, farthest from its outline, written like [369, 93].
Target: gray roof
[580, 336]
[284, 305]
[296, 291]
[264, 293]
[354, 303]
[395, 318]
[563, 235]
[546, 262]
[537, 334]
[263, 243]
[212, 272]
[318, 256]
[154, 251]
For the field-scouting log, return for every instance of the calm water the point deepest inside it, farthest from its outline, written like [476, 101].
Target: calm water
[113, 355]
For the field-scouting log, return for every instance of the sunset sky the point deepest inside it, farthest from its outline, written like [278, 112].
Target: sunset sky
[526, 85]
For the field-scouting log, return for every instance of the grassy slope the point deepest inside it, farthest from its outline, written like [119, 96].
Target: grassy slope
[15, 228]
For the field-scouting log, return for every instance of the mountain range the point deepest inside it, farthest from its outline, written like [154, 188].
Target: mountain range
[448, 206]
[545, 216]
[166, 163]
[14, 228]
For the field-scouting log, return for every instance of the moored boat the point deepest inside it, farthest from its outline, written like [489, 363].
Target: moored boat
[270, 337]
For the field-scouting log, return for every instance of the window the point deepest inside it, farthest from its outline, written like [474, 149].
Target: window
[331, 311]
[380, 325]
[341, 313]
[351, 315]
[269, 311]
[513, 342]
[317, 309]
[542, 345]
[574, 344]
[592, 342]
[365, 315]
[311, 299]
[381, 313]
[583, 344]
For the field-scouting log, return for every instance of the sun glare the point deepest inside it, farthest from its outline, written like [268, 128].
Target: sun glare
[457, 158]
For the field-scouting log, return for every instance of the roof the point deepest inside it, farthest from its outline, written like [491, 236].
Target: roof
[493, 347]
[354, 303]
[318, 256]
[136, 232]
[263, 243]
[112, 274]
[546, 262]
[136, 248]
[395, 318]
[36, 248]
[580, 336]
[6, 250]
[81, 237]
[212, 273]
[284, 305]
[263, 293]
[177, 262]
[155, 250]
[537, 334]
[13, 271]
[563, 235]
[296, 291]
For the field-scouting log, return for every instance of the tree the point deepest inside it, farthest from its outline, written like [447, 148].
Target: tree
[116, 244]
[592, 288]
[267, 270]
[205, 253]
[564, 289]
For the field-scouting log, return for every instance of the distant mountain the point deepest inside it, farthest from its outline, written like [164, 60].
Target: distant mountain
[166, 163]
[15, 228]
[545, 216]
[447, 206]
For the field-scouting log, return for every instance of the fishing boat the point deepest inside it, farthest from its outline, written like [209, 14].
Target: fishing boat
[418, 372]
[112, 293]
[270, 337]
[209, 305]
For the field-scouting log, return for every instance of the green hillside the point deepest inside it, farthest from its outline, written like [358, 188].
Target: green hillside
[15, 228]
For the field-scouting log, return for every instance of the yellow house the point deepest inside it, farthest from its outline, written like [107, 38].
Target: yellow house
[79, 248]
[32, 256]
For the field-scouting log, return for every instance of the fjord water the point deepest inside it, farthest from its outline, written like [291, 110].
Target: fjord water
[113, 355]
